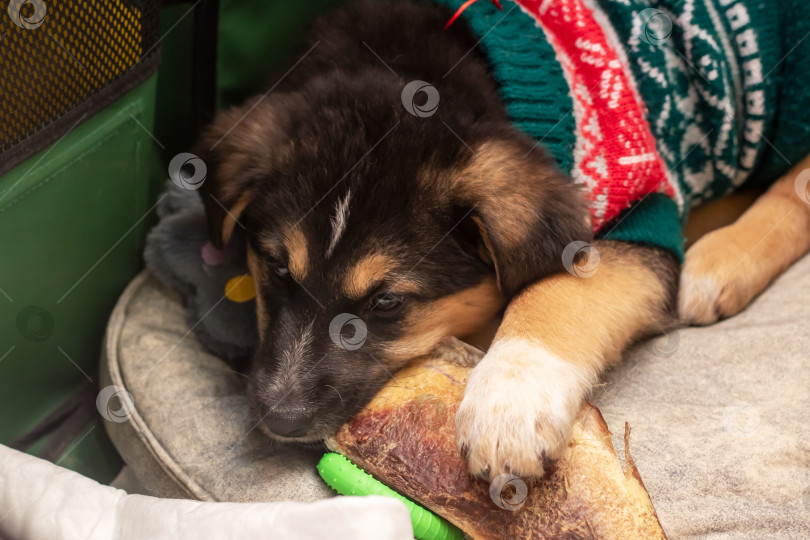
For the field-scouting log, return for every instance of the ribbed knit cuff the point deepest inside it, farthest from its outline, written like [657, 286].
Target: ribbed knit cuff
[652, 221]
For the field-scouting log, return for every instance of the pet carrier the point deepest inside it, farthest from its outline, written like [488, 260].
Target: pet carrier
[97, 96]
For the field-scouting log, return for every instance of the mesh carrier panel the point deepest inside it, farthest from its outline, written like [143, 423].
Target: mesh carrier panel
[63, 60]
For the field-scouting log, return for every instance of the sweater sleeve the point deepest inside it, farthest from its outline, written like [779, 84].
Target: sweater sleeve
[652, 221]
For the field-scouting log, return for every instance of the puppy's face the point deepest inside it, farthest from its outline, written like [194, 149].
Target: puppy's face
[372, 235]
[344, 301]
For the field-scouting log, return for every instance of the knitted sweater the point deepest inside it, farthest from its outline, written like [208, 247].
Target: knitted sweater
[654, 106]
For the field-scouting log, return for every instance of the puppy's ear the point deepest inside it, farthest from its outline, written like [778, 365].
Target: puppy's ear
[526, 211]
[238, 150]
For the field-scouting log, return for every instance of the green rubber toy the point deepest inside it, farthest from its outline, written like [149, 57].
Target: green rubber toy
[348, 479]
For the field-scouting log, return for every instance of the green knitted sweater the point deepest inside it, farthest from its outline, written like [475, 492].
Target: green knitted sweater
[654, 106]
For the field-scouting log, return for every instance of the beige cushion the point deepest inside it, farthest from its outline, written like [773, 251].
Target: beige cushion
[721, 419]
[719, 416]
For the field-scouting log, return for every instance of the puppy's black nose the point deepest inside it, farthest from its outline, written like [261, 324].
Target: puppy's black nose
[287, 421]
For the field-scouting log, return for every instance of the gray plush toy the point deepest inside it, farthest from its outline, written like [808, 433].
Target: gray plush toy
[214, 284]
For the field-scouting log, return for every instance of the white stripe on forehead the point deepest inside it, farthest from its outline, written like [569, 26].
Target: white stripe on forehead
[339, 222]
[291, 366]
[292, 358]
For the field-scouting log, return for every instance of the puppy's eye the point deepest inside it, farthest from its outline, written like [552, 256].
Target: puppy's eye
[280, 270]
[387, 302]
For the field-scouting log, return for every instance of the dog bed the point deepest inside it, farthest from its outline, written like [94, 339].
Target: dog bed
[719, 415]
[184, 426]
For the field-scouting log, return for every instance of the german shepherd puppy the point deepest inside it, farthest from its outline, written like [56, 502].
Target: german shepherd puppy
[373, 234]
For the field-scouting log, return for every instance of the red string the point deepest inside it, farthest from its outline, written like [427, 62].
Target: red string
[464, 6]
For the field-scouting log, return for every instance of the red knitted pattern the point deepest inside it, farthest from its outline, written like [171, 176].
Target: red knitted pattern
[616, 156]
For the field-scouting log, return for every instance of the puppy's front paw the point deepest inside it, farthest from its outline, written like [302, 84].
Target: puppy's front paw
[518, 408]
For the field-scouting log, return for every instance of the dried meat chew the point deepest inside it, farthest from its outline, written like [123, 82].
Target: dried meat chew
[406, 438]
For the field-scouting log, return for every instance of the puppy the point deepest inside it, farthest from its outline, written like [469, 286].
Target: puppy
[377, 225]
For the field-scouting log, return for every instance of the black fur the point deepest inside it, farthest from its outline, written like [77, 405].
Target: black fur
[336, 123]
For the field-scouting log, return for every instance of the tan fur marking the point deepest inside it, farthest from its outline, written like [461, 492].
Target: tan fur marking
[232, 215]
[493, 181]
[296, 244]
[460, 314]
[404, 285]
[365, 273]
[728, 267]
[482, 338]
[257, 270]
[589, 321]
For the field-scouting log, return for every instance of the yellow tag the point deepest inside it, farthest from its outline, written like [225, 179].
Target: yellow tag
[240, 288]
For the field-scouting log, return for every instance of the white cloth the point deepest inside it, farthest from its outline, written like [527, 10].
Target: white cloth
[41, 501]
